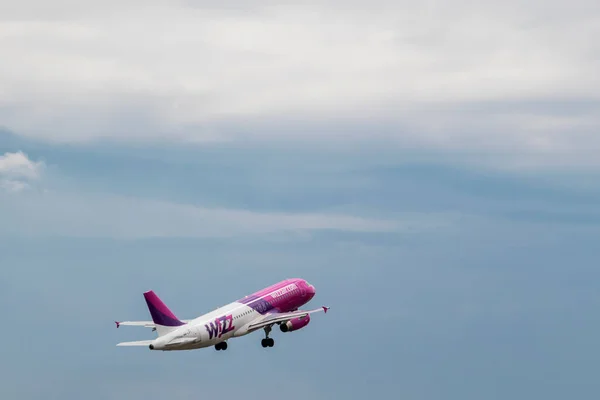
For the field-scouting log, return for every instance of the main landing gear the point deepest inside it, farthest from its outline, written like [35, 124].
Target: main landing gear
[221, 346]
[267, 342]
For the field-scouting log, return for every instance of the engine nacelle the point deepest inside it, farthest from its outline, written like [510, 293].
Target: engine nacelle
[294, 324]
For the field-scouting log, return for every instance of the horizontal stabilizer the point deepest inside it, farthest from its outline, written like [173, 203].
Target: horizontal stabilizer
[138, 343]
[146, 324]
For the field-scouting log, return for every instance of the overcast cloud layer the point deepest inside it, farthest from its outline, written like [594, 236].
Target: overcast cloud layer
[205, 150]
[517, 78]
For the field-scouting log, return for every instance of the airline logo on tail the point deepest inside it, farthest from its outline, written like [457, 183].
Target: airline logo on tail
[220, 326]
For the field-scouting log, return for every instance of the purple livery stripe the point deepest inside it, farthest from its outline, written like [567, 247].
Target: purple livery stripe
[161, 315]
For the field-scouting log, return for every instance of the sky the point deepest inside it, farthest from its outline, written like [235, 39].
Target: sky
[432, 169]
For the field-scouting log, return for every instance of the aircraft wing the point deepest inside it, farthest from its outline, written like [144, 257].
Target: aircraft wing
[174, 342]
[273, 318]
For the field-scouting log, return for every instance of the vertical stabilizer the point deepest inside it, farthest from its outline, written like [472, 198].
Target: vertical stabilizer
[163, 318]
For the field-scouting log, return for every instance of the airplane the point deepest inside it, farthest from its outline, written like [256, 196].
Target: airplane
[276, 304]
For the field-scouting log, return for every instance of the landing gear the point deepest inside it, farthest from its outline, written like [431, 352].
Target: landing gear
[221, 346]
[267, 342]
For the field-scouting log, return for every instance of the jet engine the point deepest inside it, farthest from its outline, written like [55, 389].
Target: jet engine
[294, 324]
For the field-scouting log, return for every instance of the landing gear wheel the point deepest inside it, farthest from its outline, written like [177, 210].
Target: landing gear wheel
[267, 341]
[221, 346]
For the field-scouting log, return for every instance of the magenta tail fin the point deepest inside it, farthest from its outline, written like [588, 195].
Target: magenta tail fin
[161, 315]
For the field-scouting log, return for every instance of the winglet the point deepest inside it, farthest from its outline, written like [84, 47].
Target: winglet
[325, 309]
[118, 323]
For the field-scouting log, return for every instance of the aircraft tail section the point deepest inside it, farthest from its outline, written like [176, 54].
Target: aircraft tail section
[163, 318]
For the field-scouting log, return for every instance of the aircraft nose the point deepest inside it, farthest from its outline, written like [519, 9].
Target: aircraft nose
[310, 290]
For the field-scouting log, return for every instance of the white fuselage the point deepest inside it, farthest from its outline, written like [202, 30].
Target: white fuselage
[211, 328]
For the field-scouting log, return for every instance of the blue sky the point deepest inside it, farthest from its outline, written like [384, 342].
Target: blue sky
[439, 189]
[454, 282]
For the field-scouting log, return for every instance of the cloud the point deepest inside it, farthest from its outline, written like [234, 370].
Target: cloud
[17, 170]
[51, 213]
[454, 77]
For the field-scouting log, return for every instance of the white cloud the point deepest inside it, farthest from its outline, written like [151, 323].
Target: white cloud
[51, 213]
[17, 170]
[451, 76]
[13, 186]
